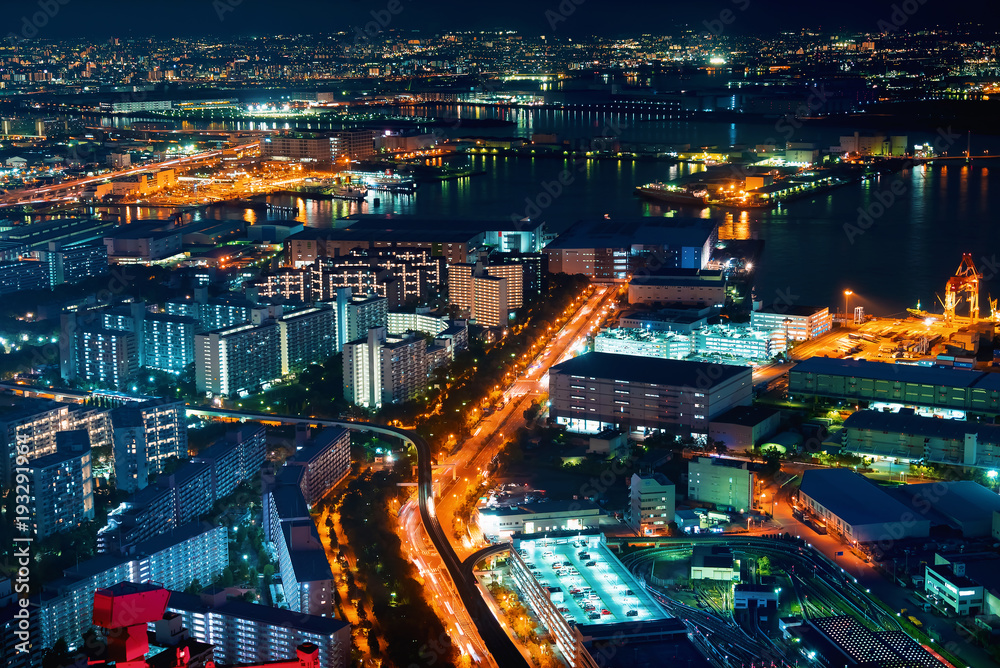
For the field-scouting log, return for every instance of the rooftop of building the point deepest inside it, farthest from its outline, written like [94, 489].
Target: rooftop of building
[650, 479]
[652, 370]
[883, 649]
[747, 416]
[13, 408]
[898, 373]
[309, 561]
[711, 556]
[616, 587]
[640, 334]
[852, 497]
[262, 614]
[628, 232]
[959, 501]
[908, 422]
[726, 462]
[781, 308]
[582, 506]
[392, 221]
[680, 276]
[743, 332]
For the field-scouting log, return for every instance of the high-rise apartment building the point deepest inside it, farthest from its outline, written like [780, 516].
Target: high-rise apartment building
[237, 359]
[62, 485]
[382, 369]
[363, 313]
[169, 341]
[307, 336]
[487, 292]
[106, 357]
[145, 436]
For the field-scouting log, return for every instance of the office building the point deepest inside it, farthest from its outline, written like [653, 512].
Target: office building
[62, 485]
[906, 437]
[652, 502]
[191, 552]
[795, 323]
[500, 523]
[597, 391]
[384, 369]
[168, 341]
[488, 293]
[726, 483]
[612, 251]
[306, 337]
[944, 391]
[237, 360]
[949, 583]
[691, 287]
[856, 508]
[146, 435]
[245, 633]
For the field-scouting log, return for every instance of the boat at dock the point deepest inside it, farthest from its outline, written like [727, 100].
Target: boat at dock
[662, 192]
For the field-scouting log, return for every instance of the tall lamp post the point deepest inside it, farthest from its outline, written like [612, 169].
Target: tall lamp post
[847, 304]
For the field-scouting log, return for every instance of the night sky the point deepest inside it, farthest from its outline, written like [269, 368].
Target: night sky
[101, 18]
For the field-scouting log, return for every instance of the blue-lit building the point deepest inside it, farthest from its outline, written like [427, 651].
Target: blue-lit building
[169, 341]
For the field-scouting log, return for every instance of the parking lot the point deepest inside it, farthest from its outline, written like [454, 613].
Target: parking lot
[587, 583]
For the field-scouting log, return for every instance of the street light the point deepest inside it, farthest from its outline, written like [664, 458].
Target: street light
[847, 300]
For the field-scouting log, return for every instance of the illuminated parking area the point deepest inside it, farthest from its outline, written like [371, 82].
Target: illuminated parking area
[573, 581]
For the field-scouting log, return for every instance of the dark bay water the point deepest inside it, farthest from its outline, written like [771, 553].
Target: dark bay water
[814, 248]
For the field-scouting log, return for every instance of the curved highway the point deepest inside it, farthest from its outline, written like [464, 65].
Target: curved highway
[501, 647]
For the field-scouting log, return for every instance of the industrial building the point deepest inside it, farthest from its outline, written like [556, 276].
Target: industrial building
[963, 505]
[643, 343]
[906, 437]
[947, 390]
[796, 323]
[856, 508]
[652, 502]
[726, 483]
[714, 562]
[680, 320]
[613, 251]
[744, 426]
[597, 391]
[500, 523]
[692, 287]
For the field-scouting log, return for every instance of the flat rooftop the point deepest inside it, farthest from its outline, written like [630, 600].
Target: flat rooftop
[908, 422]
[747, 416]
[900, 373]
[852, 497]
[628, 232]
[604, 585]
[651, 370]
[884, 649]
[788, 309]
